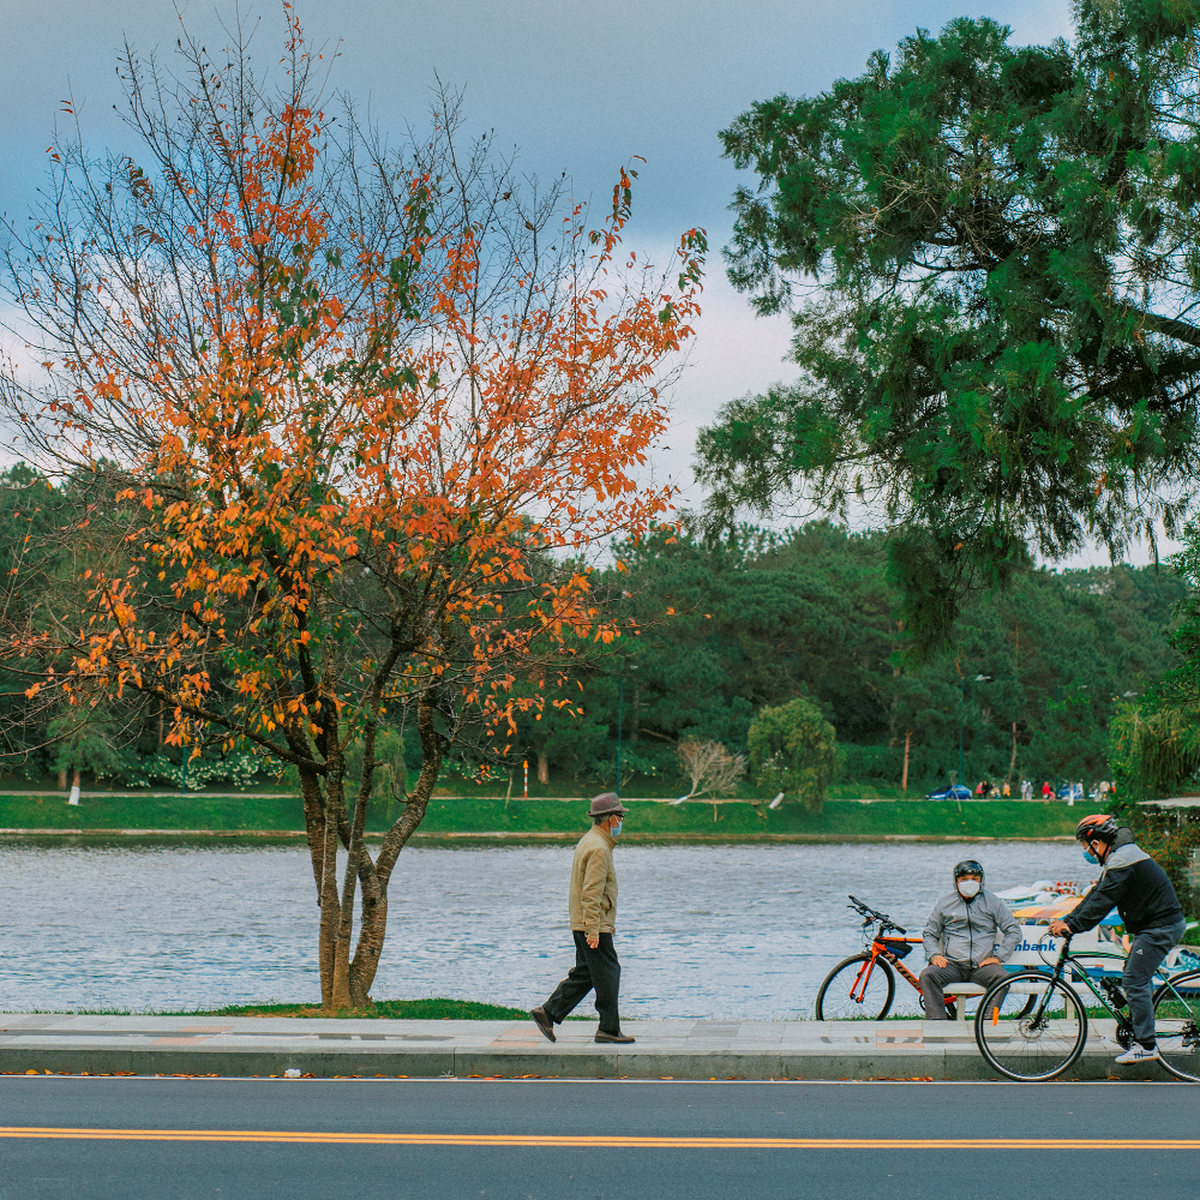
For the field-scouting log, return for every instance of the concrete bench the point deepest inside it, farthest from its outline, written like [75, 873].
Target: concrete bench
[1035, 949]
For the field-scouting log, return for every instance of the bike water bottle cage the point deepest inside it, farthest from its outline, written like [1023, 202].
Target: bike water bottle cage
[1113, 988]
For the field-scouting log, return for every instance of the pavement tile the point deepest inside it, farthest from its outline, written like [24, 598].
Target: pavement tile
[680, 1049]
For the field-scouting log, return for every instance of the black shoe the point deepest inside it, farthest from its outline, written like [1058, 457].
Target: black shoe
[542, 1020]
[620, 1038]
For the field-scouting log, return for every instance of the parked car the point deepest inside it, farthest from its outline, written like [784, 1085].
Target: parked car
[955, 792]
[1071, 791]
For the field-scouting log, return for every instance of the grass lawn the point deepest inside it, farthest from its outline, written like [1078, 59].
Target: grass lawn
[411, 1010]
[453, 818]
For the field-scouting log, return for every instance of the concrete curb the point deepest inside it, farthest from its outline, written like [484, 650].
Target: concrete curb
[682, 1049]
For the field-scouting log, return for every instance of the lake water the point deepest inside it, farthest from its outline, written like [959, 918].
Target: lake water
[718, 931]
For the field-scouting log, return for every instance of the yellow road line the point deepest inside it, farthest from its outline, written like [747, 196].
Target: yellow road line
[592, 1141]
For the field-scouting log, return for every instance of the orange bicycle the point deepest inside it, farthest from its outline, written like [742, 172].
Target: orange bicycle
[863, 986]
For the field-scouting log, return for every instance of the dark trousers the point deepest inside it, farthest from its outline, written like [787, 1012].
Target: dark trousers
[1146, 952]
[934, 979]
[594, 969]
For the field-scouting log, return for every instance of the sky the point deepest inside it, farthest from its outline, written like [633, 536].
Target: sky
[574, 87]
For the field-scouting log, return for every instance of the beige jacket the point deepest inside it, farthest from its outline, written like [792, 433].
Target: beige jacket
[593, 903]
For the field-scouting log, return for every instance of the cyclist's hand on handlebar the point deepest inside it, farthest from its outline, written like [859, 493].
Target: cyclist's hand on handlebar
[1060, 929]
[939, 960]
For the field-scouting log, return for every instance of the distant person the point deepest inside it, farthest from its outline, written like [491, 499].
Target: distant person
[1026, 789]
[968, 935]
[592, 906]
[1047, 790]
[1006, 791]
[1139, 888]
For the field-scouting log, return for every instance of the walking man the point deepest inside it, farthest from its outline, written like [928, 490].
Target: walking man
[968, 935]
[1149, 908]
[593, 912]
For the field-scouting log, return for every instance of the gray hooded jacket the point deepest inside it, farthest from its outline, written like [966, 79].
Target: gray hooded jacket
[968, 931]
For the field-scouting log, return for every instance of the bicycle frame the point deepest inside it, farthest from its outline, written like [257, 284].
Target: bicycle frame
[879, 949]
[1079, 973]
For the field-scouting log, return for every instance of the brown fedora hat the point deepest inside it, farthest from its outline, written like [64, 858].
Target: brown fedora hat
[605, 803]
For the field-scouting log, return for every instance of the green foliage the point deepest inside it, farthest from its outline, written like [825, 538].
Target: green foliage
[720, 628]
[1155, 743]
[1179, 688]
[1069, 743]
[728, 626]
[794, 748]
[195, 774]
[1000, 353]
[86, 739]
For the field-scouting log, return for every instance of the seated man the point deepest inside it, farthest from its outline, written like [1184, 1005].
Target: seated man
[968, 935]
[1149, 908]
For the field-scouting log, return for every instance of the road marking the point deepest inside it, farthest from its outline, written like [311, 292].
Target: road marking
[592, 1141]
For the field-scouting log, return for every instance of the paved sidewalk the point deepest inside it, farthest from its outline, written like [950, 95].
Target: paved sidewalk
[677, 1049]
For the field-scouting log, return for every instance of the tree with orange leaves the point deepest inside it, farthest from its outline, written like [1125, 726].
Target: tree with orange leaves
[366, 414]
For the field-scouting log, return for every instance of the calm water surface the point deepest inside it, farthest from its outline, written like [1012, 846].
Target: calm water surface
[733, 931]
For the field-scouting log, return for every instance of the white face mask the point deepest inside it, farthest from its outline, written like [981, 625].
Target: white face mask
[968, 888]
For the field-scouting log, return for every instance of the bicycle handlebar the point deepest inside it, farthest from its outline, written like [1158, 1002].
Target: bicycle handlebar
[872, 914]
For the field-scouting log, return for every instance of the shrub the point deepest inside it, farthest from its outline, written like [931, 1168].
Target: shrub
[793, 748]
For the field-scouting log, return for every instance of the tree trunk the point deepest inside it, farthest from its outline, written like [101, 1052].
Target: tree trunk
[543, 773]
[335, 809]
[907, 747]
[75, 778]
[331, 979]
[376, 876]
[62, 779]
[1012, 762]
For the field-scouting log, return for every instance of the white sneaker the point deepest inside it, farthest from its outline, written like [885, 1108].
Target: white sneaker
[1137, 1053]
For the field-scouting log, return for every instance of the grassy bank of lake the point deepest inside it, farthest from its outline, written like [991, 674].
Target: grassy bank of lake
[464, 819]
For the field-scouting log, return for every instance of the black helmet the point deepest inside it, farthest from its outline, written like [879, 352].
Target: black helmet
[968, 866]
[1098, 828]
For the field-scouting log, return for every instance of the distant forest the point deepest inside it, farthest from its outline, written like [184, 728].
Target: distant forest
[720, 630]
[760, 618]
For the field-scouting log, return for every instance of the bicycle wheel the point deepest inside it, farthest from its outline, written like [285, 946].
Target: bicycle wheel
[1027, 1041]
[857, 989]
[1177, 1024]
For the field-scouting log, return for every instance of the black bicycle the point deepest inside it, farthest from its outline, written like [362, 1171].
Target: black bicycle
[1033, 1025]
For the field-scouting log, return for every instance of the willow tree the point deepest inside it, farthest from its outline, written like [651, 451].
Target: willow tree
[989, 254]
[367, 412]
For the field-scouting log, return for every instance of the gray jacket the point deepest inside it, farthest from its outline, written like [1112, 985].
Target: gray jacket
[968, 931]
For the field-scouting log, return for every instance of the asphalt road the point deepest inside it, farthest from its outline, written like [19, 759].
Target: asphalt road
[179, 1139]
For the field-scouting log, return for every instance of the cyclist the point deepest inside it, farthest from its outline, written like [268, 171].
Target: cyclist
[968, 935]
[1149, 908]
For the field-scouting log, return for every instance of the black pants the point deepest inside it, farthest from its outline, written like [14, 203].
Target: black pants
[598, 969]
